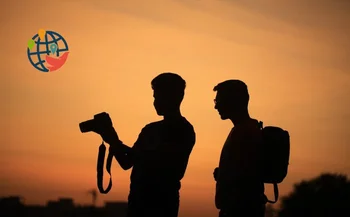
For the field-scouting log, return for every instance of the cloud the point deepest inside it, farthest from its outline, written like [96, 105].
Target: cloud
[308, 13]
[313, 27]
[153, 10]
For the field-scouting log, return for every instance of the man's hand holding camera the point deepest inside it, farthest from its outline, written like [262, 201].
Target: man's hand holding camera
[102, 125]
[105, 128]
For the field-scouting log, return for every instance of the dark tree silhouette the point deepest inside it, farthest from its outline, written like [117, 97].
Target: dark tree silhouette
[93, 193]
[270, 211]
[327, 195]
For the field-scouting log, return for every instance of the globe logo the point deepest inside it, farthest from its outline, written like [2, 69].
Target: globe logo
[47, 51]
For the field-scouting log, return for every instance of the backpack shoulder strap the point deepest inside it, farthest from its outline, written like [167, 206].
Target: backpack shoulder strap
[276, 193]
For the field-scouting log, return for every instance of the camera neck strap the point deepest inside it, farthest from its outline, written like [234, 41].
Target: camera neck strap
[100, 163]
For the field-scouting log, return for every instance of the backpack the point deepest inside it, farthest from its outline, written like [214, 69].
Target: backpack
[275, 156]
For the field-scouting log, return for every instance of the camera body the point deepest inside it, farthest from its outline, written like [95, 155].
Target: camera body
[94, 125]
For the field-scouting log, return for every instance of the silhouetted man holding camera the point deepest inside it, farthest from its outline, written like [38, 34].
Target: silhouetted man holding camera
[160, 155]
[239, 186]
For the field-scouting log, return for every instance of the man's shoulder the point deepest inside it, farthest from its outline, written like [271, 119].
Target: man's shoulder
[250, 131]
[251, 126]
[184, 123]
[153, 125]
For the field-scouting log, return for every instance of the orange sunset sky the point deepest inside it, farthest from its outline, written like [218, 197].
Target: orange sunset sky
[293, 56]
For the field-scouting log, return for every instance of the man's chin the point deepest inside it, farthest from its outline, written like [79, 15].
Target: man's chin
[160, 113]
[223, 117]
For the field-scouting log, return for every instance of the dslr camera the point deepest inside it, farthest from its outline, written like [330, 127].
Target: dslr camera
[94, 125]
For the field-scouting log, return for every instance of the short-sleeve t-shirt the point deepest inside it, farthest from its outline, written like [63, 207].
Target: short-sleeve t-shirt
[161, 155]
[239, 167]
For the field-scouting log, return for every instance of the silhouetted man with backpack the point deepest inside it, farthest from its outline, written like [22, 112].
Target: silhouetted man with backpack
[160, 155]
[251, 156]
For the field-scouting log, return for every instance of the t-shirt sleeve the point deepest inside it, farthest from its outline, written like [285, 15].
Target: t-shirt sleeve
[248, 160]
[184, 145]
[189, 139]
[175, 155]
[141, 140]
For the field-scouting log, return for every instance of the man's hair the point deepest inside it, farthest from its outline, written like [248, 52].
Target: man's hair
[169, 84]
[235, 90]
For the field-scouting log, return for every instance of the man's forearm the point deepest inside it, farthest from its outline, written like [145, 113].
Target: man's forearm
[122, 153]
[118, 147]
[111, 137]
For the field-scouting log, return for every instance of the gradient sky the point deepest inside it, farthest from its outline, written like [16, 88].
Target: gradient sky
[293, 56]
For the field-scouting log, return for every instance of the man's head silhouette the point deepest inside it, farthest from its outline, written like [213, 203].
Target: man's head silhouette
[231, 99]
[168, 92]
